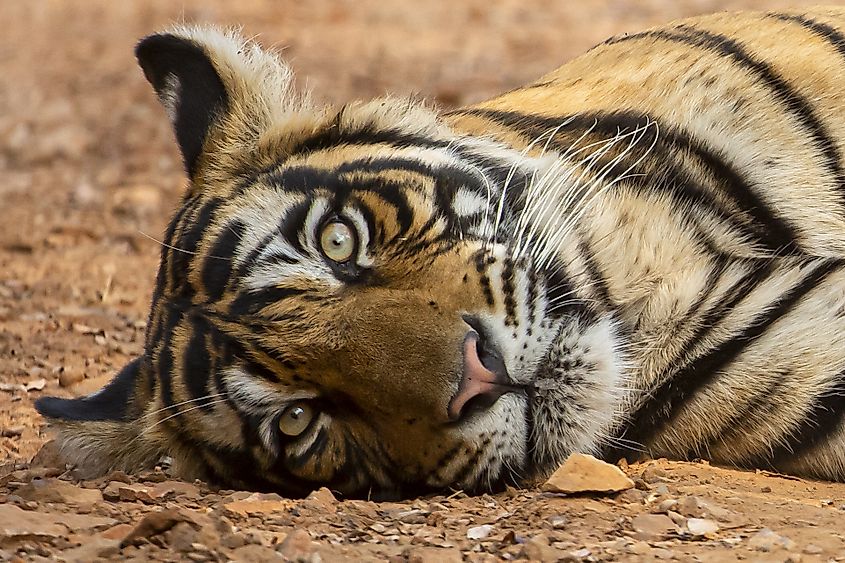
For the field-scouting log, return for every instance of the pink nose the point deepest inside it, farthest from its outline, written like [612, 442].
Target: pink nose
[479, 385]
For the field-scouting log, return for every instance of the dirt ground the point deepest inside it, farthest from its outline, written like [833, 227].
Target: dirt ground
[88, 177]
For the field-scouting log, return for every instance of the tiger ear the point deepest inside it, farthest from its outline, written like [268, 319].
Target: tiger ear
[189, 87]
[223, 93]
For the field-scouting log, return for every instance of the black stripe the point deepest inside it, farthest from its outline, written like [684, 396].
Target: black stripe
[822, 420]
[193, 228]
[164, 360]
[823, 30]
[196, 365]
[290, 227]
[733, 429]
[217, 268]
[253, 302]
[598, 281]
[334, 136]
[667, 401]
[767, 229]
[780, 88]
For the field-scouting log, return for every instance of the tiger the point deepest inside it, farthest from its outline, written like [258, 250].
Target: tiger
[640, 254]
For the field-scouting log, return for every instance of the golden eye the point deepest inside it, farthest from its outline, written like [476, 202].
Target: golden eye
[337, 241]
[295, 419]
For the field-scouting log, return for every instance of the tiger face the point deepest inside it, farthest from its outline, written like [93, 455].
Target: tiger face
[355, 298]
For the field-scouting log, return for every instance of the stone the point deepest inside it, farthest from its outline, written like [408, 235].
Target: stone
[813, 549]
[767, 540]
[433, 555]
[695, 507]
[479, 532]
[582, 473]
[538, 549]
[650, 527]
[70, 377]
[154, 524]
[653, 475]
[36, 384]
[17, 524]
[117, 532]
[322, 500]
[255, 507]
[297, 546]
[702, 527]
[260, 554]
[93, 548]
[181, 536]
[55, 490]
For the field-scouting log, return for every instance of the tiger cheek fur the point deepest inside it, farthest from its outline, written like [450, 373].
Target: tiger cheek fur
[642, 252]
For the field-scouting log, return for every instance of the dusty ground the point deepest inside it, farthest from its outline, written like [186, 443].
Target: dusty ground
[88, 177]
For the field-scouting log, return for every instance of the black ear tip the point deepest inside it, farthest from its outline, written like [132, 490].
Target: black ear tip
[53, 407]
[159, 55]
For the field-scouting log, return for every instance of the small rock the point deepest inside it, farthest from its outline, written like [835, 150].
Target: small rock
[254, 505]
[702, 527]
[813, 549]
[117, 532]
[12, 431]
[181, 536]
[70, 377]
[433, 555]
[557, 522]
[322, 500]
[651, 527]
[36, 384]
[634, 496]
[134, 492]
[582, 473]
[538, 549]
[579, 554]
[16, 523]
[639, 548]
[154, 524]
[654, 475]
[696, 507]
[90, 550]
[260, 554]
[297, 546]
[667, 505]
[479, 532]
[767, 540]
[54, 490]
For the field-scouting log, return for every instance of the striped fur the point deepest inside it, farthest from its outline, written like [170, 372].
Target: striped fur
[652, 238]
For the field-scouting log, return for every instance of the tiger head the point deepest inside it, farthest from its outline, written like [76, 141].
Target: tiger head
[348, 297]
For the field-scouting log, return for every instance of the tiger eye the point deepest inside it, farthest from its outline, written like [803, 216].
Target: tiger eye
[337, 241]
[295, 419]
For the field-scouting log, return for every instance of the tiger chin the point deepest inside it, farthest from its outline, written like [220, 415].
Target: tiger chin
[640, 253]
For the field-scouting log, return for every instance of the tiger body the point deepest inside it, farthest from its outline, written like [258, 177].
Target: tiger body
[643, 252]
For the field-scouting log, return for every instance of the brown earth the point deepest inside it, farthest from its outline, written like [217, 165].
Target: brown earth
[88, 177]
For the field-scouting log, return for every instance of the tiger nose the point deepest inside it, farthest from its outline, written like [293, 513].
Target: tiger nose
[484, 379]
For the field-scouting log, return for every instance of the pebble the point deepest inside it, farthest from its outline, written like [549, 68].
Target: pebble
[767, 540]
[55, 490]
[255, 506]
[702, 527]
[70, 377]
[583, 473]
[12, 431]
[479, 532]
[433, 555]
[651, 527]
[297, 546]
[154, 524]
